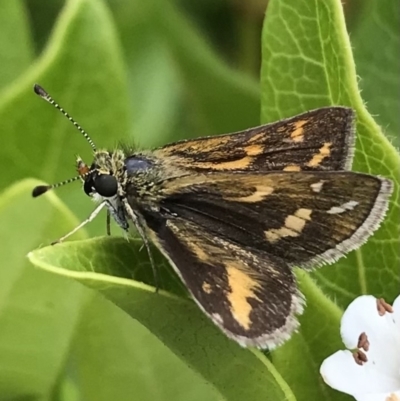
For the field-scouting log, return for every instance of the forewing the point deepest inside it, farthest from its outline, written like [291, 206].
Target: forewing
[305, 219]
[251, 296]
[321, 139]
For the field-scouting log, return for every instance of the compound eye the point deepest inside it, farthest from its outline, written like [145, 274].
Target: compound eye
[88, 186]
[106, 185]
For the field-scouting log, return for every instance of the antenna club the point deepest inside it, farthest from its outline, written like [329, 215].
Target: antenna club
[40, 91]
[40, 190]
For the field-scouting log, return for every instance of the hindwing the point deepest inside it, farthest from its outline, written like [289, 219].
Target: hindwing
[250, 295]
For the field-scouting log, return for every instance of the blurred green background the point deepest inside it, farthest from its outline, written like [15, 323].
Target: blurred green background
[144, 72]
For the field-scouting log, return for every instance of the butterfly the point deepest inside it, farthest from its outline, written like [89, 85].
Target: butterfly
[235, 213]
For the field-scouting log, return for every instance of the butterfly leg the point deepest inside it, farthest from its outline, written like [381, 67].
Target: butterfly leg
[84, 222]
[108, 223]
[139, 226]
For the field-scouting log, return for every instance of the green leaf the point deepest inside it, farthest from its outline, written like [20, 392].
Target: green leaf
[46, 319]
[38, 311]
[42, 16]
[376, 44]
[15, 42]
[179, 87]
[109, 343]
[307, 63]
[108, 265]
[176, 76]
[92, 89]
[303, 70]
[317, 338]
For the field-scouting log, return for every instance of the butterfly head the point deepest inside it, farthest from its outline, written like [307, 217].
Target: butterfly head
[99, 180]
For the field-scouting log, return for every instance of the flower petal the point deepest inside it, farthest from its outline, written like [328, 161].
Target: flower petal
[379, 397]
[342, 373]
[362, 316]
[396, 314]
[396, 320]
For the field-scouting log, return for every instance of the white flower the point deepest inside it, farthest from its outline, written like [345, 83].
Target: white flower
[371, 328]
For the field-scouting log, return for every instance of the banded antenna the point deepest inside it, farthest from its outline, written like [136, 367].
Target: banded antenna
[41, 189]
[43, 94]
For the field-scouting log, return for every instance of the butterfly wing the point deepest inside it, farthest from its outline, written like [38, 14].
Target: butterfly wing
[251, 296]
[321, 139]
[233, 238]
[305, 219]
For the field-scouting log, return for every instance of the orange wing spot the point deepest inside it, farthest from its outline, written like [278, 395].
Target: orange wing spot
[259, 194]
[242, 289]
[206, 288]
[323, 152]
[275, 234]
[298, 134]
[254, 150]
[294, 225]
[260, 137]
[240, 164]
[304, 214]
[198, 251]
[292, 167]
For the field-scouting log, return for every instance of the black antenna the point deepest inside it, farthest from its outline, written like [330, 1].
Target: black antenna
[41, 189]
[43, 94]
